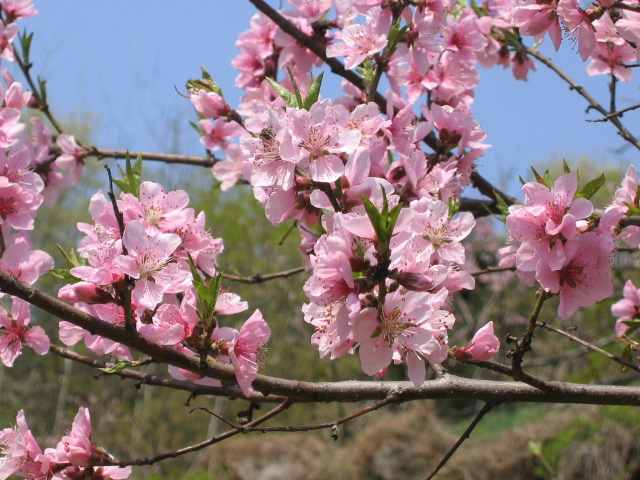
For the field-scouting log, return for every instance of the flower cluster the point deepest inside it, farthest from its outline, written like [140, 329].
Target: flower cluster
[144, 267]
[74, 457]
[564, 252]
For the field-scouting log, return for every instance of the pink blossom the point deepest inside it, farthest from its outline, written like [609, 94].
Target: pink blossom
[149, 262]
[15, 331]
[578, 26]
[22, 455]
[210, 104]
[243, 348]
[583, 279]
[19, 8]
[409, 327]
[626, 309]
[362, 40]
[76, 447]
[482, 347]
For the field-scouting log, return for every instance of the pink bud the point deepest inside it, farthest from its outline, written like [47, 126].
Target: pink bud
[84, 292]
[482, 347]
[415, 281]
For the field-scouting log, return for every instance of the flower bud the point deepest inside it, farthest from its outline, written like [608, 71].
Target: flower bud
[482, 347]
[416, 282]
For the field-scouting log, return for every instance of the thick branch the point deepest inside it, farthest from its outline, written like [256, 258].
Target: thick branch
[445, 386]
[101, 153]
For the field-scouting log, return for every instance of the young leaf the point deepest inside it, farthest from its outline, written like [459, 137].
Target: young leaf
[119, 365]
[296, 90]
[374, 217]
[71, 258]
[314, 92]
[132, 176]
[565, 166]
[592, 187]
[289, 97]
[539, 178]
[501, 204]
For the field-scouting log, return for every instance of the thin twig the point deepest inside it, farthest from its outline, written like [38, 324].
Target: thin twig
[199, 446]
[593, 103]
[305, 428]
[615, 114]
[485, 409]
[524, 344]
[590, 346]
[492, 270]
[194, 389]
[260, 278]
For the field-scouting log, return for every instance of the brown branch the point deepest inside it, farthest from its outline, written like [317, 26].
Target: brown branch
[42, 105]
[618, 113]
[260, 278]
[170, 158]
[445, 386]
[625, 222]
[492, 270]
[199, 446]
[485, 409]
[317, 48]
[626, 6]
[593, 103]
[590, 346]
[524, 344]
[157, 381]
[305, 428]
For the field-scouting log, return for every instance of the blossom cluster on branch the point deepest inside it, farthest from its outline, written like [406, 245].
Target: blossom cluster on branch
[373, 183]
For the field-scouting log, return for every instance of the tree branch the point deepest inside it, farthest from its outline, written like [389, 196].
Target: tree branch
[260, 278]
[485, 409]
[593, 103]
[157, 381]
[199, 446]
[590, 346]
[445, 386]
[101, 153]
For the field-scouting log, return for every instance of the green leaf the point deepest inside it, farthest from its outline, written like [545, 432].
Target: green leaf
[629, 356]
[132, 176]
[592, 187]
[565, 166]
[395, 36]
[64, 274]
[632, 324]
[314, 92]
[197, 128]
[288, 96]
[522, 181]
[539, 178]
[71, 258]
[367, 71]
[547, 178]
[118, 366]
[374, 217]
[296, 90]
[25, 44]
[454, 207]
[43, 90]
[206, 83]
[501, 204]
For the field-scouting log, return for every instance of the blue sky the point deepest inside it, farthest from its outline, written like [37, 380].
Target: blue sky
[122, 60]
